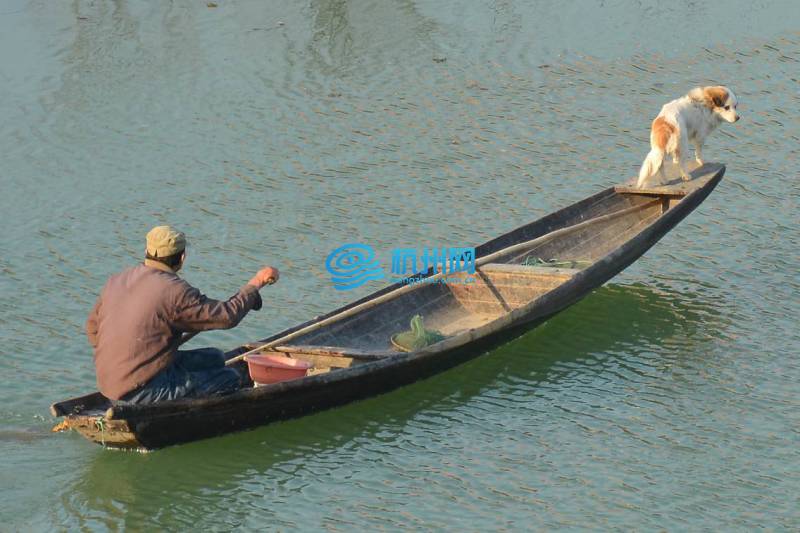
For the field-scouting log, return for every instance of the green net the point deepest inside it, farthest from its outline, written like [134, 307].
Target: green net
[417, 338]
[555, 263]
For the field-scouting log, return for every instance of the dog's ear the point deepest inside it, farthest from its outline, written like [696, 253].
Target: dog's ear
[716, 96]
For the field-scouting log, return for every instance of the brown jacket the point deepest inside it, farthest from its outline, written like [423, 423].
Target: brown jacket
[138, 320]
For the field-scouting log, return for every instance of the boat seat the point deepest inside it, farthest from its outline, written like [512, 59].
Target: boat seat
[335, 351]
[327, 358]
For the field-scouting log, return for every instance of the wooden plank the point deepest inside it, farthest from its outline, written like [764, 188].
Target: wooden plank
[322, 361]
[336, 351]
[113, 433]
[673, 185]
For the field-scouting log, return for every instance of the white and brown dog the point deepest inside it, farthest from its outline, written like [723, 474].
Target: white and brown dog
[690, 118]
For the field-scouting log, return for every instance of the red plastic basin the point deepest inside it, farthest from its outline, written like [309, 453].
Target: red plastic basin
[274, 368]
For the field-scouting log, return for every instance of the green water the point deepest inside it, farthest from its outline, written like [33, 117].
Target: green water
[274, 132]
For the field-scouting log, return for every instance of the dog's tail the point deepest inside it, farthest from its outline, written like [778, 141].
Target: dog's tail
[652, 164]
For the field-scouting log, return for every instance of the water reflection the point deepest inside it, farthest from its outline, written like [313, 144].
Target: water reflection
[616, 326]
[359, 38]
[332, 42]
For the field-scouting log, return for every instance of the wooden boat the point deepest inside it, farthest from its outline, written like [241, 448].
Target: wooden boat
[350, 347]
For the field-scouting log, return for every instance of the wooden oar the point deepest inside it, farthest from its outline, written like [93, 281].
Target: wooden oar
[408, 288]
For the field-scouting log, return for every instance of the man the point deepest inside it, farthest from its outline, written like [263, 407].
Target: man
[140, 317]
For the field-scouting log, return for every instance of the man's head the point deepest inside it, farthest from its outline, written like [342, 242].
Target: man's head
[167, 246]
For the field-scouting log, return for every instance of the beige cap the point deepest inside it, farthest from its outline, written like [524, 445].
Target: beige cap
[163, 241]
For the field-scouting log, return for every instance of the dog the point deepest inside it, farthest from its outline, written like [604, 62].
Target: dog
[690, 118]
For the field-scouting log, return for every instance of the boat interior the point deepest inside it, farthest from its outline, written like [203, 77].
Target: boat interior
[510, 280]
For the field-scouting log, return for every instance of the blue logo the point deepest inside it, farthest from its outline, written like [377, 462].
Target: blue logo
[352, 265]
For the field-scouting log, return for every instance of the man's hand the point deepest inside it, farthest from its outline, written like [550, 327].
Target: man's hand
[265, 276]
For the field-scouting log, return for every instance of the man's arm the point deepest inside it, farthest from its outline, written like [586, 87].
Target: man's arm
[91, 324]
[196, 312]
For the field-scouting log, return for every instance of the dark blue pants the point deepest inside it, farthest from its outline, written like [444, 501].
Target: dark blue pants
[193, 374]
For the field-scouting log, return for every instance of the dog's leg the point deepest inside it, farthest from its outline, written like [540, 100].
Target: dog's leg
[682, 166]
[684, 174]
[679, 155]
[679, 160]
[698, 152]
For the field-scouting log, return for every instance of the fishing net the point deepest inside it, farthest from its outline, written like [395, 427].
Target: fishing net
[417, 338]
